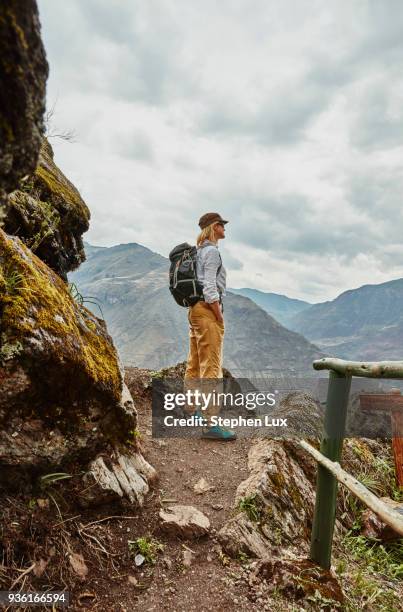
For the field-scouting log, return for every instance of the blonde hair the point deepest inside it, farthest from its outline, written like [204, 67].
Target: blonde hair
[208, 233]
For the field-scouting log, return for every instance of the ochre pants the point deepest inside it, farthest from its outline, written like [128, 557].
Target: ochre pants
[204, 363]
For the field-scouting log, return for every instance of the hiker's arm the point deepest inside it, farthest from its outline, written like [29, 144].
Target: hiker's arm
[210, 291]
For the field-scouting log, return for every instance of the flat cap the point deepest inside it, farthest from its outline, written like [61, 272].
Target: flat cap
[210, 218]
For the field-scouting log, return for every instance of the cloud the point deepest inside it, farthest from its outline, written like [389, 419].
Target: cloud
[286, 119]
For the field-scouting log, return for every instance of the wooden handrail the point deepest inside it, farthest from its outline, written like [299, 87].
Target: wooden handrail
[368, 369]
[389, 516]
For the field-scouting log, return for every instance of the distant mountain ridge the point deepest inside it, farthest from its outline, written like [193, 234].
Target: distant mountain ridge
[363, 323]
[150, 330]
[281, 307]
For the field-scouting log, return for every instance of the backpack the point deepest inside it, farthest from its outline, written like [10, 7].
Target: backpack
[184, 285]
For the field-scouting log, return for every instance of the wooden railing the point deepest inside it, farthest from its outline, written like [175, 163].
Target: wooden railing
[329, 470]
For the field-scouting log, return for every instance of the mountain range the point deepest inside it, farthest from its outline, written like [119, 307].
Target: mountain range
[364, 323]
[129, 283]
[281, 307]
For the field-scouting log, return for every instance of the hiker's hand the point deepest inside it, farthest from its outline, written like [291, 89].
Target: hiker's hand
[216, 308]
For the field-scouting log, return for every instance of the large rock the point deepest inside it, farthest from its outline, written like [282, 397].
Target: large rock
[297, 579]
[63, 396]
[279, 498]
[184, 521]
[23, 74]
[276, 502]
[49, 215]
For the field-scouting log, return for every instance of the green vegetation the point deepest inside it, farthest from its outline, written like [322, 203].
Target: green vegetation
[251, 507]
[37, 298]
[146, 546]
[385, 558]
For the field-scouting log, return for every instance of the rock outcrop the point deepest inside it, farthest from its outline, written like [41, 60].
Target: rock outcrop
[23, 74]
[276, 502]
[49, 215]
[63, 398]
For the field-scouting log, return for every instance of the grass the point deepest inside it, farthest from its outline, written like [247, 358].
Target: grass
[250, 506]
[146, 546]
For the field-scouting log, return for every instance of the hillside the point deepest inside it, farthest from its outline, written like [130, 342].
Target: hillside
[281, 307]
[130, 283]
[364, 323]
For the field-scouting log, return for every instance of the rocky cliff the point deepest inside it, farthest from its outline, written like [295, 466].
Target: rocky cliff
[63, 401]
[23, 74]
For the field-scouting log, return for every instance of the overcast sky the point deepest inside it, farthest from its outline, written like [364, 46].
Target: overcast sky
[285, 116]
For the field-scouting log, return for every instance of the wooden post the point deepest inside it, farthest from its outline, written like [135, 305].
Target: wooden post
[326, 488]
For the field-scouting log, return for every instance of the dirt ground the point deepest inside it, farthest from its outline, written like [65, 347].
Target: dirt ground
[49, 527]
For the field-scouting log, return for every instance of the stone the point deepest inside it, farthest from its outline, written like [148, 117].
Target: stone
[374, 527]
[45, 330]
[187, 557]
[296, 578]
[48, 214]
[202, 486]
[282, 490]
[184, 521]
[23, 74]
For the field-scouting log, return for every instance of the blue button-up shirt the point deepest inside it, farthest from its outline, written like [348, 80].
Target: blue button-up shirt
[208, 262]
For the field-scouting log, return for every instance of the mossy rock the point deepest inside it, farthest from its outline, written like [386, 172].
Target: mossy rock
[23, 74]
[59, 370]
[49, 215]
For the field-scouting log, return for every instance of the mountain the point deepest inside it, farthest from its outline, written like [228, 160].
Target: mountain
[129, 282]
[281, 307]
[364, 323]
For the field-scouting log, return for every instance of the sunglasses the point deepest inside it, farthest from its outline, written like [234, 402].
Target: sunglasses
[222, 224]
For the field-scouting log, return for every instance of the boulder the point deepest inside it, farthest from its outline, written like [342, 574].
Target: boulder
[278, 501]
[184, 521]
[296, 579]
[49, 215]
[23, 74]
[63, 397]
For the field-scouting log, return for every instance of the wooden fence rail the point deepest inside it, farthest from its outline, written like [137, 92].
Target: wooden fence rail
[329, 471]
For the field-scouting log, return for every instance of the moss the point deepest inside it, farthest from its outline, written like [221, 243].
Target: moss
[40, 305]
[58, 186]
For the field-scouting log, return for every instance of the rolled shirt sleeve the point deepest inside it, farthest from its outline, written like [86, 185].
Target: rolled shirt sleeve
[211, 264]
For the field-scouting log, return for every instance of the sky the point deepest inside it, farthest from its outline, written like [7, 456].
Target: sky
[285, 116]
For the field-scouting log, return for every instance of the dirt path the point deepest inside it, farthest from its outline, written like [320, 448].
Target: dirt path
[212, 581]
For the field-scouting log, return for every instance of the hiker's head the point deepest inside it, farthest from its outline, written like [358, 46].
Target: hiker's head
[212, 228]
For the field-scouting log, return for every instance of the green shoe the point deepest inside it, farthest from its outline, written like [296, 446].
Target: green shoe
[219, 433]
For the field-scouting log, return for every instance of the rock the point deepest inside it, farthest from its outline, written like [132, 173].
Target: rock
[240, 535]
[296, 579]
[139, 560]
[282, 497]
[202, 486]
[374, 527]
[23, 74]
[49, 216]
[184, 521]
[132, 580]
[217, 506]
[44, 330]
[187, 558]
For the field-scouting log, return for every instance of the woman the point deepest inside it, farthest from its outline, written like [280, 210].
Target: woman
[206, 321]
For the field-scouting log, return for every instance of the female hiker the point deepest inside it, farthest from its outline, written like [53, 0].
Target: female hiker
[206, 321]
